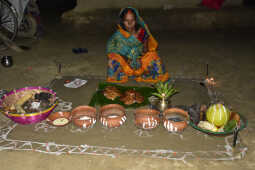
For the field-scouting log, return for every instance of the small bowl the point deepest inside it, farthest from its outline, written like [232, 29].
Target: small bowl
[112, 115]
[147, 118]
[59, 118]
[175, 119]
[7, 61]
[84, 116]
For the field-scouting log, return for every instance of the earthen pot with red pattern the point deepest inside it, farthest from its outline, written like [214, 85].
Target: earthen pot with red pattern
[84, 116]
[112, 115]
[175, 119]
[147, 118]
[59, 118]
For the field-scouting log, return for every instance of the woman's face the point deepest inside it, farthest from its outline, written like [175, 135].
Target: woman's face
[129, 21]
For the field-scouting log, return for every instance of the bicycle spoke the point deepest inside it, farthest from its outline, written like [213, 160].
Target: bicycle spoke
[5, 22]
[8, 21]
[7, 14]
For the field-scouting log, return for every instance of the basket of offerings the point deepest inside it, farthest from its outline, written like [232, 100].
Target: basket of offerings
[219, 120]
[28, 105]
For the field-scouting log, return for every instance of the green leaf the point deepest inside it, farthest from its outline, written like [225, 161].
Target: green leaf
[230, 125]
[156, 94]
[168, 94]
[165, 87]
[160, 90]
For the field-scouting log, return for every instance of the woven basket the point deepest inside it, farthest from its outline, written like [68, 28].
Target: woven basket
[112, 115]
[29, 118]
[84, 116]
[173, 126]
[147, 118]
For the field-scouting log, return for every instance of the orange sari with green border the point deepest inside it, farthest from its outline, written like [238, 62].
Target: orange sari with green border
[127, 61]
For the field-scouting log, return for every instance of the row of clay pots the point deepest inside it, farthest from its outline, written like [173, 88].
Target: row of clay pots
[113, 115]
[149, 119]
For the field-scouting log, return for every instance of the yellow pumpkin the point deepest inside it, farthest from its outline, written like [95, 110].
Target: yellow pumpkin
[218, 115]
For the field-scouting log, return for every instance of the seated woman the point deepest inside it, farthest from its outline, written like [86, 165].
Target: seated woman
[132, 52]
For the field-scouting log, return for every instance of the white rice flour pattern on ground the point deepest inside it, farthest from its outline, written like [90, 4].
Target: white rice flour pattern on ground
[62, 106]
[58, 149]
[7, 126]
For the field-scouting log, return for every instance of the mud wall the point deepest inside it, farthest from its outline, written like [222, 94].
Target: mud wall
[90, 5]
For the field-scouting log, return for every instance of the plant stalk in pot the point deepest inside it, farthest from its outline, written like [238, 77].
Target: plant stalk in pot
[164, 91]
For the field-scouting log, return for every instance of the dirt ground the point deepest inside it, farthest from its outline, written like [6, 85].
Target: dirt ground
[229, 53]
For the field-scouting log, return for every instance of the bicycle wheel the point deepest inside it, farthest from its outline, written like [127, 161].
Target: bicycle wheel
[8, 22]
[28, 27]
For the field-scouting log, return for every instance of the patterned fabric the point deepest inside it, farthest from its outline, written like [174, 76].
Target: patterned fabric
[126, 59]
[142, 35]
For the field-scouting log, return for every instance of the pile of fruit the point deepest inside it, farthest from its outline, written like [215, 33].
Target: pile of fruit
[219, 119]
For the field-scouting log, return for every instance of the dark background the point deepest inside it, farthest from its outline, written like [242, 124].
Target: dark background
[64, 5]
[56, 5]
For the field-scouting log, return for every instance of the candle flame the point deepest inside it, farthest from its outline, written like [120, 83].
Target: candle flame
[210, 81]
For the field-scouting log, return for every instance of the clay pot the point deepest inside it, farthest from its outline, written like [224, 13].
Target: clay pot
[112, 115]
[59, 118]
[175, 119]
[147, 118]
[84, 116]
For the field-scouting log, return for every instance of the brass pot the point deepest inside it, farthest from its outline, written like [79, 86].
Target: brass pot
[163, 104]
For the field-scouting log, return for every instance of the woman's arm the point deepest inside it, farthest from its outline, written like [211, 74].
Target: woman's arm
[111, 44]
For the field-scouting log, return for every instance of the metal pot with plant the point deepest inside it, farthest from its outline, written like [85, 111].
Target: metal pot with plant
[164, 91]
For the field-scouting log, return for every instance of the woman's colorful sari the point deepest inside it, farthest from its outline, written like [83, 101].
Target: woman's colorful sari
[126, 59]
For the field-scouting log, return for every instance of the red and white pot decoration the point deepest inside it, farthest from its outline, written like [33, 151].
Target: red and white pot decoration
[175, 126]
[112, 115]
[147, 118]
[84, 116]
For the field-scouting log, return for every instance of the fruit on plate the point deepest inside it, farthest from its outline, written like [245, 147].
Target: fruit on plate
[207, 126]
[218, 115]
[235, 116]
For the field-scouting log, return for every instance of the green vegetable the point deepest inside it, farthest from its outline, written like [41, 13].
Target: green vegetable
[230, 125]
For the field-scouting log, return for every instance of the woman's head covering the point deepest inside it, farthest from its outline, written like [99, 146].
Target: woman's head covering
[124, 12]
[139, 20]
[152, 43]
